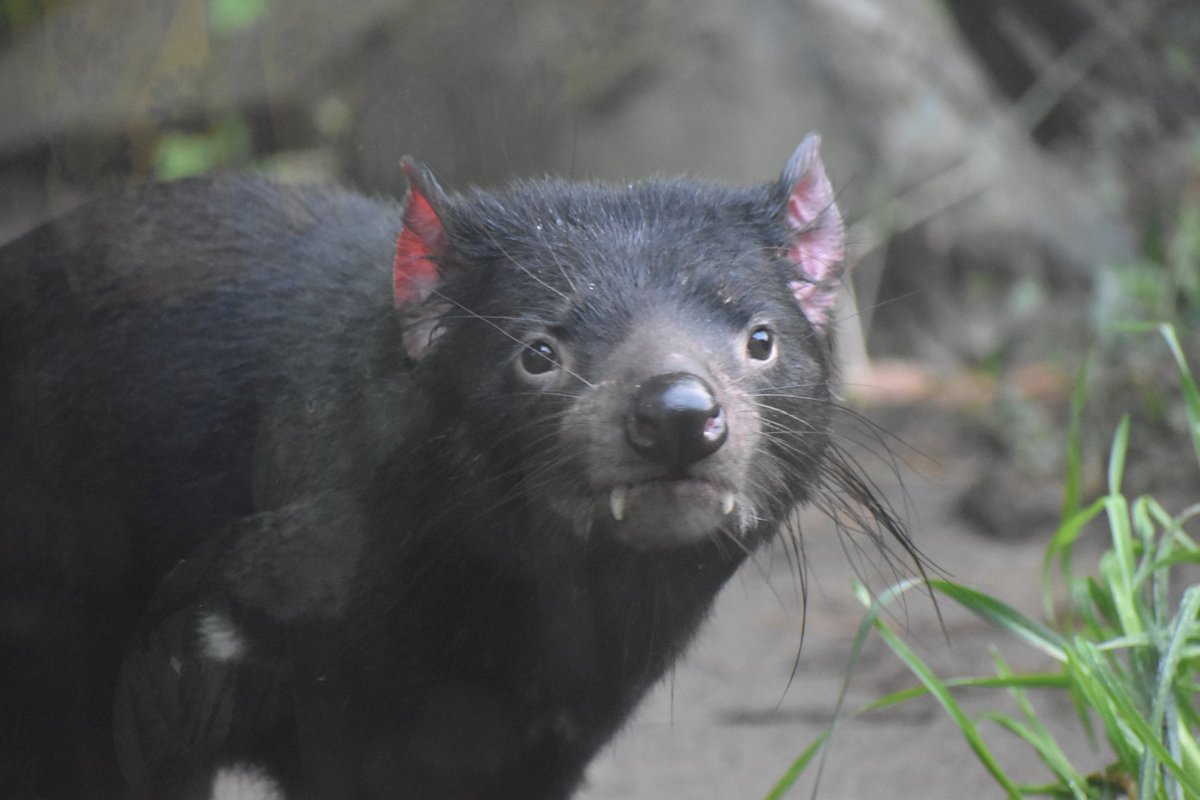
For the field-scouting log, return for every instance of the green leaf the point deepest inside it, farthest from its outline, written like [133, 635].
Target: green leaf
[230, 16]
[181, 155]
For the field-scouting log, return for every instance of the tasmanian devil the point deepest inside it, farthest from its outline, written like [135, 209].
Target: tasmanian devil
[323, 497]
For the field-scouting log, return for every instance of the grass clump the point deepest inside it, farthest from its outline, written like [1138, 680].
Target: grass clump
[1125, 646]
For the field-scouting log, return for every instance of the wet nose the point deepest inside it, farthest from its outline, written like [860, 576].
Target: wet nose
[676, 420]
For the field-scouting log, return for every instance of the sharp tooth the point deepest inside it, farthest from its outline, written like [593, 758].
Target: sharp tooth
[727, 504]
[617, 502]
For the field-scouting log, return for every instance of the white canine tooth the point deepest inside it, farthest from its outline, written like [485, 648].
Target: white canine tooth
[727, 504]
[617, 502]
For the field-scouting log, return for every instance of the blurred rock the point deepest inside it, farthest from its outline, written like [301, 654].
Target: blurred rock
[1009, 504]
[975, 240]
[956, 209]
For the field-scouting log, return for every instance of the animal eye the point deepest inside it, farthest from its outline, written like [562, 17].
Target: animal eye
[760, 344]
[539, 357]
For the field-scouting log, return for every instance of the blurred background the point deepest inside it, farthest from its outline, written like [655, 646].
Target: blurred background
[1020, 178]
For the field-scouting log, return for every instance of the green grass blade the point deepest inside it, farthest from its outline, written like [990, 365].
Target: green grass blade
[1005, 616]
[1047, 750]
[1142, 737]
[1191, 392]
[1101, 617]
[1029, 680]
[793, 773]
[1183, 628]
[1060, 549]
[1039, 738]
[1116, 460]
[1178, 558]
[798, 766]
[1119, 570]
[1073, 483]
[1189, 752]
[1147, 536]
[942, 693]
[1125, 642]
[1102, 692]
[1082, 707]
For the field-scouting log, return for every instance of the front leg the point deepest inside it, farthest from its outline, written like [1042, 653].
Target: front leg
[207, 695]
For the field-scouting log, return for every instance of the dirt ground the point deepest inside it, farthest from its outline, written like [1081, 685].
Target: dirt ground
[727, 723]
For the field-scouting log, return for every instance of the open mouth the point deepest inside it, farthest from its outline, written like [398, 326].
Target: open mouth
[658, 497]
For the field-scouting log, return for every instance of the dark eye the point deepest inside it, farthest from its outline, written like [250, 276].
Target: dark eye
[760, 344]
[539, 357]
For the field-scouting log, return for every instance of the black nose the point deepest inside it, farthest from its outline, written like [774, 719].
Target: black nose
[676, 420]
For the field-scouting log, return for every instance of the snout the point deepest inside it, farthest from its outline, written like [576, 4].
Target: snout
[676, 420]
[664, 435]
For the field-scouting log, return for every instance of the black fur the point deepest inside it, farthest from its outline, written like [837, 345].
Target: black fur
[209, 397]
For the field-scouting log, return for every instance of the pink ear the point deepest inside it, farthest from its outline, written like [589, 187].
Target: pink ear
[818, 245]
[420, 244]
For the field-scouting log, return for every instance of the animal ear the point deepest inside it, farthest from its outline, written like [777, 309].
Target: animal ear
[422, 240]
[816, 237]
[420, 248]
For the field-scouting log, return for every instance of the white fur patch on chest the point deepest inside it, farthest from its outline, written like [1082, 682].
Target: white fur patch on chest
[244, 782]
[219, 638]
